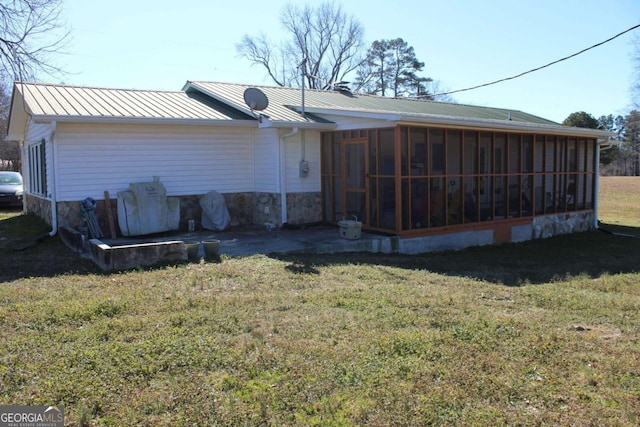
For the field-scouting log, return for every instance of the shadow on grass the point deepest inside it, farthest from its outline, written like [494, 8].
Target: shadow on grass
[592, 253]
[26, 250]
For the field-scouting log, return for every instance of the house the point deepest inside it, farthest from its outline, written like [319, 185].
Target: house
[437, 175]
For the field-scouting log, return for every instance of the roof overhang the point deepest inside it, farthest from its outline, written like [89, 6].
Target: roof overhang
[265, 122]
[235, 106]
[145, 120]
[18, 117]
[467, 123]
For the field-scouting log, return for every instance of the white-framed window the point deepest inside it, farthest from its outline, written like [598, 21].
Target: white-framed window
[37, 168]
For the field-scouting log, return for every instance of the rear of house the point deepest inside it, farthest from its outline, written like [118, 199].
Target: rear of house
[436, 175]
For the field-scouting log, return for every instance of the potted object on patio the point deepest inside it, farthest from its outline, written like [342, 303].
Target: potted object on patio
[211, 248]
[350, 228]
[192, 249]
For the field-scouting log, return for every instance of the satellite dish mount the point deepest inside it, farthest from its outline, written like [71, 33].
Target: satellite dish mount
[256, 100]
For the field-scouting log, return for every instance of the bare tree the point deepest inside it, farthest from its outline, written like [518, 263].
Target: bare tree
[325, 45]
[30, 31]
[9, 150]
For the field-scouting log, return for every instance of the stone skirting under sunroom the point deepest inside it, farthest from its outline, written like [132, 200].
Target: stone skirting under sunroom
[539, 227]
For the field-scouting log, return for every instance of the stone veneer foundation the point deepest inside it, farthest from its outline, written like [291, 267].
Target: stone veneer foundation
[244, 209]
[40, 207]
[303, 208]
[553, 225]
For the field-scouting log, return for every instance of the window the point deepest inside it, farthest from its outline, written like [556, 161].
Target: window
[37, 168]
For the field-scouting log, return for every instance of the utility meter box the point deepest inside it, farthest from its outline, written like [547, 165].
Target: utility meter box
[304, 168]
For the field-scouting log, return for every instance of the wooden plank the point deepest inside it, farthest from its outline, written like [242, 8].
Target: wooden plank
[107, 205]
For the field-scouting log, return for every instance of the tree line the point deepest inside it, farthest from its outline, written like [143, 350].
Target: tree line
[326, 45]
[622, 157]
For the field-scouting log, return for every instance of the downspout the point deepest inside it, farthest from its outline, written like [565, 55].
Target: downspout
[283, 176]
[25, 176]
[53, 195]
[596, 185]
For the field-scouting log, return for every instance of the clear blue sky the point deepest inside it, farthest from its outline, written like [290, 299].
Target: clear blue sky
[161, 44]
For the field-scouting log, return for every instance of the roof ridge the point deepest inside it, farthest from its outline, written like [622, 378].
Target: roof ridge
[360, 94]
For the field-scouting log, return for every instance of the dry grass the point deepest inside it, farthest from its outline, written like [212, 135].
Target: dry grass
[619, 200]
[541, 333]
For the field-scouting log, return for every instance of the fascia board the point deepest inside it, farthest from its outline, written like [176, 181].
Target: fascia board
[465, 122]
[505, 125]
[301, 125]
[352, 113]
[18, 117]
[147, 120]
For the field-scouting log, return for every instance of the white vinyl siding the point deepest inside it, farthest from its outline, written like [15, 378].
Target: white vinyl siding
[293, 155]
[188, 160]
[267, 179]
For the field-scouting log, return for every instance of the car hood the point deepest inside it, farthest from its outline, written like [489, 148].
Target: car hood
[10, 188]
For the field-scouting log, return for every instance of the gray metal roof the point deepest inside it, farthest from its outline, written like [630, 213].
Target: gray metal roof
[223, 103]
[284, 104]
[62, 101]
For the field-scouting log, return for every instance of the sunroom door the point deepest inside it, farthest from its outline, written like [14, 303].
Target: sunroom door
[355, 194]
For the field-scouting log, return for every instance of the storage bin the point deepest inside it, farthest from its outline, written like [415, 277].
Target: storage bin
[350, 229]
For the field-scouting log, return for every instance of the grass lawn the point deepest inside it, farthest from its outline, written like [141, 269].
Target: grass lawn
[540, 333]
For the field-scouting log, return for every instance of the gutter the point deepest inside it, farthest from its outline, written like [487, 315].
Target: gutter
[602, 145]
[464, 122]
[283, 176]
[144, 120]
[596, 190]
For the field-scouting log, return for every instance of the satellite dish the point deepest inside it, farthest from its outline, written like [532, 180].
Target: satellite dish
[255, 99]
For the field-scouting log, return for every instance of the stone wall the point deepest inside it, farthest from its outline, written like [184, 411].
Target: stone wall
[266, 208]
[70, 215]
[244, 209]
[240, 207]
[39, 207]
[304, 208]
[552, 225]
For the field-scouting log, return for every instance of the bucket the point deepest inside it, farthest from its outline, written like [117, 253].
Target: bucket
[350, 229]
[211, 248]
[192, 249]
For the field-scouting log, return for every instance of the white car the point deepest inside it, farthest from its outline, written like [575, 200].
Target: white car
[11, 188]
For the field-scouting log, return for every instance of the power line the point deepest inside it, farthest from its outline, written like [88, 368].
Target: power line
[538, 68]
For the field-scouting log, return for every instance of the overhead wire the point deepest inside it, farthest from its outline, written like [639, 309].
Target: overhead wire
[537, 68]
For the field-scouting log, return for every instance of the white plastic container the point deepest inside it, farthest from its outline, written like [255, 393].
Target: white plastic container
[350, 229]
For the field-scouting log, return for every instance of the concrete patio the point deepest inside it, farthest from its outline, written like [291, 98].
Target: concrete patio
[130, 252]
[245, 241]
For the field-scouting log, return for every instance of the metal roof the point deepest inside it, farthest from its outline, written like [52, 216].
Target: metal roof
[62, 101]
[202, 102]
[284, 104]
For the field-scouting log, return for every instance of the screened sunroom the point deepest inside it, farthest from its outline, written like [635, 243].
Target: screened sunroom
[411, 180]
